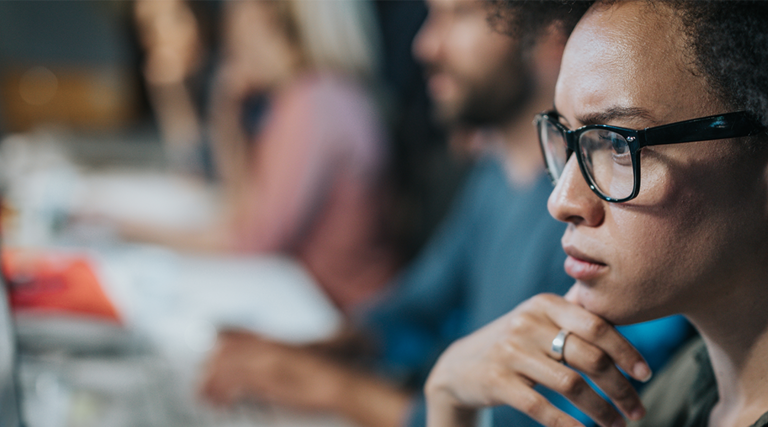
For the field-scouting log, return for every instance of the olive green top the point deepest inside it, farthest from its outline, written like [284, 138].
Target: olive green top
[684, 393]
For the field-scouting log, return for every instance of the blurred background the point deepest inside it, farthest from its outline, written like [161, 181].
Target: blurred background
[146, 156]
[71, 64]
[109, 84]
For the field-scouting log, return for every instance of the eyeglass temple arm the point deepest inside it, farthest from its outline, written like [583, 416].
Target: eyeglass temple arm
[722, 126]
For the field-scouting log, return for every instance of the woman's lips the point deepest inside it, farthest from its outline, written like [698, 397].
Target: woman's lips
[581, 267]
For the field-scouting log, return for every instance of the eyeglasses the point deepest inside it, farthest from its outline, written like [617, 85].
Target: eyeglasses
[609, 156]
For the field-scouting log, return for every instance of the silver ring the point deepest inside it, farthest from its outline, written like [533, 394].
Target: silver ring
[558, 344]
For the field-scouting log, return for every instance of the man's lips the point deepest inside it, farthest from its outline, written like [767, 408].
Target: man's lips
[581, 266]
[441, 85]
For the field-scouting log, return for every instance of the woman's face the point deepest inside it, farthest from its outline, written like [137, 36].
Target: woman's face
[698, 226]
[256, 44]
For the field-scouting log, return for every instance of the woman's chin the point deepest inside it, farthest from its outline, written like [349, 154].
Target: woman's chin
[610, 307]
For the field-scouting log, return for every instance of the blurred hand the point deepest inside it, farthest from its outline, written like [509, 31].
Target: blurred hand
[502, 362]
[247, 366]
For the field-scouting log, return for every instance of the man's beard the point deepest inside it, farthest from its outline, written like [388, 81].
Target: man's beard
[494, 106]
[490, 102]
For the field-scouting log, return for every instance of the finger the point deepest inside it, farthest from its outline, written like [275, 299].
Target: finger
[599, 332]
[221, 382]
[571, 385]
[218, 391]
[526, 400]
[596, 363]
[600, 368]
[236, 333]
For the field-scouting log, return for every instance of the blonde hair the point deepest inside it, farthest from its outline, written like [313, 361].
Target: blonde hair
[334, 35]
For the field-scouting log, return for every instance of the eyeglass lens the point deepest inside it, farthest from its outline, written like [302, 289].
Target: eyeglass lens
[605, 154]
[608, 162]
[555, 148]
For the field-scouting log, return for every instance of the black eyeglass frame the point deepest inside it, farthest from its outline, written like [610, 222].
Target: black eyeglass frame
[720, 126]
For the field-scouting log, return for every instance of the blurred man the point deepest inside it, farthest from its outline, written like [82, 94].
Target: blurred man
[497, 247]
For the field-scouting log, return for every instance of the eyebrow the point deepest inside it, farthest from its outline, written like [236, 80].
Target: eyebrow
[614, 113]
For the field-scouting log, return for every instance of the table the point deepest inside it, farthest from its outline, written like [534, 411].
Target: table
[81, 372]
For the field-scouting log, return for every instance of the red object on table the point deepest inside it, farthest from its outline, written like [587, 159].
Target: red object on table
[55, 283]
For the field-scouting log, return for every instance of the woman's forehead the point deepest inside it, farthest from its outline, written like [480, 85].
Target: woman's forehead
[631, 55]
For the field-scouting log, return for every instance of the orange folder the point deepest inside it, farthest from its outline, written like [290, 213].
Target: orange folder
[49, 282]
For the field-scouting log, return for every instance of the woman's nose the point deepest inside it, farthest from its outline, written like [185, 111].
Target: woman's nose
[573, 201]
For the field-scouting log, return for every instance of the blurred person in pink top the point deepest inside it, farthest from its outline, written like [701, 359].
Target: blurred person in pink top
[311, 186]
[307, 180]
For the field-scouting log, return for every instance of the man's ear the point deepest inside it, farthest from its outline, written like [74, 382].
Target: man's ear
[765, 180]
[761, 149]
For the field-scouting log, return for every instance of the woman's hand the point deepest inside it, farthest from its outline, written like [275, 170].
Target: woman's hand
[502, 362]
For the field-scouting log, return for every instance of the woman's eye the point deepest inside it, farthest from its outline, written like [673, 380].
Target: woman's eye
[623, 159]
[619, 148]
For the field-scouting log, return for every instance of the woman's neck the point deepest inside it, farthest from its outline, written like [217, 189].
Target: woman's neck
[735, 330]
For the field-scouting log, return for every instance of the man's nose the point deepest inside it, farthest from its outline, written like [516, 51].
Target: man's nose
[428, 41]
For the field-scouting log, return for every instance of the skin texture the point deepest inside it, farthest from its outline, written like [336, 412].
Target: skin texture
[500, 364]
[692, 242]
[669, 249]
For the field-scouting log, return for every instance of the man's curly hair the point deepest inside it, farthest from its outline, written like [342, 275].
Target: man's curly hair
[728, 40]
[526, 20]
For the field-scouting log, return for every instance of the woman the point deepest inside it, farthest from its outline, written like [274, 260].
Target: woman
[685, 234]
[303, 175]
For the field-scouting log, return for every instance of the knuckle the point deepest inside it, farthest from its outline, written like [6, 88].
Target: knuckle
[563, 420]
[625, 392]
[520, 323]
[549, 298]
[571, 383]
[528, 305]
[597, 362]
[533, 404]
[596, 327]
[542, 300]
[495, 382]
[510, 352]
[605, 411]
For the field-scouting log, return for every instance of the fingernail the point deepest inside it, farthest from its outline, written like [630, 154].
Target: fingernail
[637, 413]
[619, 423]
[642, 372]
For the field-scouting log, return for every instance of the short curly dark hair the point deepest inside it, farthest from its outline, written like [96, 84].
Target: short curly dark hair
[728, 39]
[526, 20]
